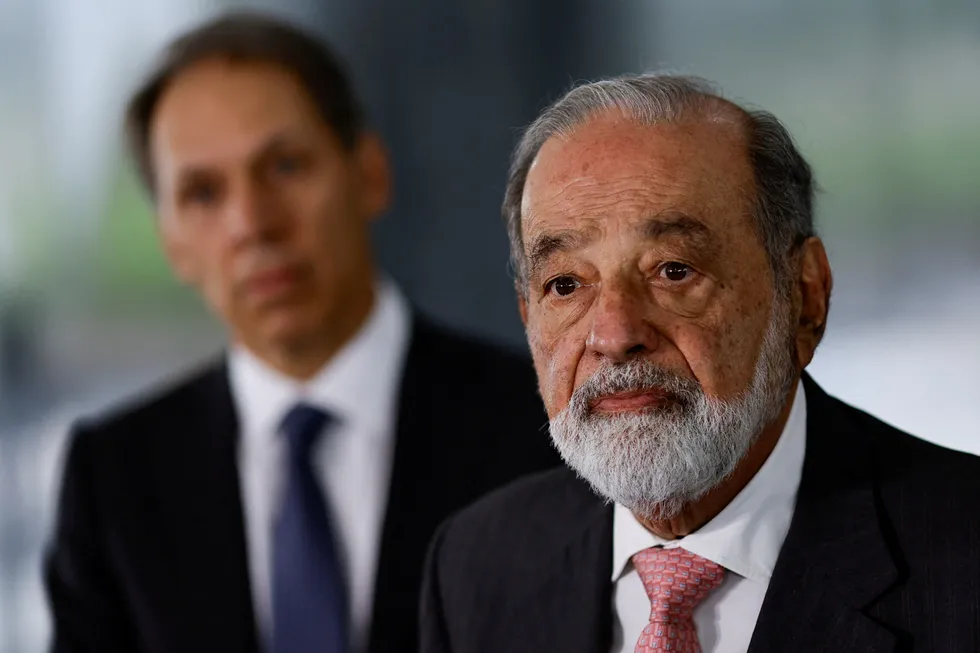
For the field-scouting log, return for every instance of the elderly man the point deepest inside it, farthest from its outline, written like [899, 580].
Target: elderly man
[718, 500]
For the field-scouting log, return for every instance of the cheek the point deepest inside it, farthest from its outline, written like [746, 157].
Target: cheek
[217, 285]
[557, 359]
[329, 197]
[722, 353]
[327, 228]
[214, 272]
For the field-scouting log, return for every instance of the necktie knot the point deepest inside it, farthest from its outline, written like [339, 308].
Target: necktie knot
[676, 581]
[302, 427]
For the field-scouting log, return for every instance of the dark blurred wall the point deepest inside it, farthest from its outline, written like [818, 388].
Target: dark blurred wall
[449, 84]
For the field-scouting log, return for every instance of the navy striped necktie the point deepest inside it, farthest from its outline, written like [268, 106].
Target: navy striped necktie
[309, 595]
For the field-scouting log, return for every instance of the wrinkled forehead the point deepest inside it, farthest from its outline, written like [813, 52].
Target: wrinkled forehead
[613, 166]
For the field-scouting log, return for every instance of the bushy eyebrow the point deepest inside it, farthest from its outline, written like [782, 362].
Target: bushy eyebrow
[546, 245]
[661, 225]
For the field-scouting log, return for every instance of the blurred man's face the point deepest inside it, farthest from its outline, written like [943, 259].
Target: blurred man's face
[651, 302]
[261, 208]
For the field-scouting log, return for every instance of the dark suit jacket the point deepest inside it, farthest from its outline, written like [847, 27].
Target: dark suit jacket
[883, 554]
[149, 550]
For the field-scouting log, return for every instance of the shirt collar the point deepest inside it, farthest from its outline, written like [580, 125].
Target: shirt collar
[746, 536]
[358, 385]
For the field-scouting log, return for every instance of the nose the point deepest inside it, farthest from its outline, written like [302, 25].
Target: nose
[252, 214]
[621, 329]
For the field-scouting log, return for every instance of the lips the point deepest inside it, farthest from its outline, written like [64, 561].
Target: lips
[633, 401]
[273, 281]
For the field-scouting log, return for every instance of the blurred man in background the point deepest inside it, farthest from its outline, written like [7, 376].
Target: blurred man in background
[280, 498]
[674, 291]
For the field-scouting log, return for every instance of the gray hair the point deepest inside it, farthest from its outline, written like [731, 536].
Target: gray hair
[783, 209]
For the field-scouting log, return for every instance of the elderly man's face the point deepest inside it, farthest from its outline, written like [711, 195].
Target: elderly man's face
[640, 245]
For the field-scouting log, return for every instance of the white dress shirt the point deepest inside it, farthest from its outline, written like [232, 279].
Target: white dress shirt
[359, 389]
[744, 538]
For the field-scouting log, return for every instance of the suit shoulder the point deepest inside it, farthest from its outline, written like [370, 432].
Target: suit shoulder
[149, 408]
[898, 444]
[520, 497]
[523, 514]
[937, 474]
[471, 368]
[468, 349]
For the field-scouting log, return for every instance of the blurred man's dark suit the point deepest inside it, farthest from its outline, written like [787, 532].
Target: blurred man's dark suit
[883, 554]
[150, 554]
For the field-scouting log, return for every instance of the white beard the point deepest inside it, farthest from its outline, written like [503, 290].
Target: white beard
[656, 462]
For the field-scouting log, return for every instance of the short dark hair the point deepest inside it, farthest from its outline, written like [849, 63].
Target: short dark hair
[248, 36]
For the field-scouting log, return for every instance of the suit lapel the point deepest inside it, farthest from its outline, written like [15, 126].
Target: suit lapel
[417, 499]
[202, 508]
[834, 561]
[572, 601]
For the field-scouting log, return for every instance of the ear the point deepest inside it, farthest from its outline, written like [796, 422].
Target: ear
[521, 303]
[375, 172]
[177, 252]
[815, 284]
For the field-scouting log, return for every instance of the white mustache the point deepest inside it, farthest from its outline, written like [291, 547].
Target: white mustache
[635, 376]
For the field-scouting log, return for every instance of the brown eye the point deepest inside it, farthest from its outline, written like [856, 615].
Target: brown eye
[203, 193]
[564, 286]
[676, 271]
[287, 165]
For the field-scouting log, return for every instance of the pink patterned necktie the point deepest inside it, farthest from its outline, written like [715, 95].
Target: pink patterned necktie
[676, 581]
